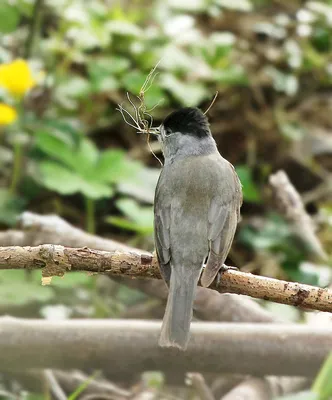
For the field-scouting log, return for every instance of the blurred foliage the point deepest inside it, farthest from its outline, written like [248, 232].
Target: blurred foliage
[64, 149]
[321, 388]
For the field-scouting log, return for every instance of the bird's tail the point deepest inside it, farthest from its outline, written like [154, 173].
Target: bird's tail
[179, 308]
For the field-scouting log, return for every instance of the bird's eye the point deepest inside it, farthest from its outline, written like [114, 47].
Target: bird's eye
[167, 132]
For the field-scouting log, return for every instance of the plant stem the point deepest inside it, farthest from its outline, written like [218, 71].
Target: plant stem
[18, 157]
[34, 27]
[90, 215]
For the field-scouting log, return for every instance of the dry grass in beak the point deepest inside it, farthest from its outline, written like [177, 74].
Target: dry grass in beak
[139, 116]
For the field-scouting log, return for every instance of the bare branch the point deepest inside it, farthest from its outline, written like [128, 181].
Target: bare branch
[209, 304]
[39, 229]
[55, 260]
[124, 347]
[201, 388]
[54, 385]
[291, 205]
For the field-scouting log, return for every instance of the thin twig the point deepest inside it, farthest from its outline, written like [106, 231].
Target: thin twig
[55, 388]
[203, 391]
[35, 22]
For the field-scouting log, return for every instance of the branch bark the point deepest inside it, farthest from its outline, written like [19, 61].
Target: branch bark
[291, 206]
[125, 347]
[39, 229]
[56, 260]
[210, 305]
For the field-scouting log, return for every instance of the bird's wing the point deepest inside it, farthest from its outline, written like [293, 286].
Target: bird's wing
[162, 221]
[224, 214]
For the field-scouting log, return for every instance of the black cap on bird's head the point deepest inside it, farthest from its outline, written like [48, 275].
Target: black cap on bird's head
[189, 121]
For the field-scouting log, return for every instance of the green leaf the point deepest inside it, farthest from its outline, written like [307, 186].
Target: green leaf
[9, 18]
[323, 382]
[114, 167]
[273, 234]
[10, 207]
[175, 59]
[108, 65]
[95, 190]
[192, 6]
[123, 223]
[59, 179]
[123, 28]
[86, 157]
[238, 5]
[133, 81]
[74, 87]
[285, 83]
[140, 218]
[142, 185]
[321, 39]
[56, 147]
[83, 386]
[153, 379]
[65, 129]
[292, 131]
[109, 165]
[250, 191]
[155, 95]
[233, 75]
[25, 7]
[101, 73]
[188, 94]
[106, 84]
[141, 215]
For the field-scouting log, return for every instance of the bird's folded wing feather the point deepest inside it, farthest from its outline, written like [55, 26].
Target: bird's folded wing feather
[162, 220]
[223, 217]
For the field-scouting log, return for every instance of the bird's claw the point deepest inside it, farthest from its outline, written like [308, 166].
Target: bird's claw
[223, 269]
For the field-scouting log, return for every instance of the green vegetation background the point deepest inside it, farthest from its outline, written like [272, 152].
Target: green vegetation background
[70, 152]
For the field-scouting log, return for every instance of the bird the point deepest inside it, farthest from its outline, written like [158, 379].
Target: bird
[196, 211]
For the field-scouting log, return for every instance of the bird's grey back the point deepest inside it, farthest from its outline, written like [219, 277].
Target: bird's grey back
[187, 187]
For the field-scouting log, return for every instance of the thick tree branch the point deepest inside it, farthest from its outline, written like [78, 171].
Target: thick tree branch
[39, 229]
[209, 305]
[124, 347]
[290, 204]
[55, 260]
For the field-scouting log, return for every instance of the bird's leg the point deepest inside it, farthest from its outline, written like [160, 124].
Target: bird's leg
[223, 269]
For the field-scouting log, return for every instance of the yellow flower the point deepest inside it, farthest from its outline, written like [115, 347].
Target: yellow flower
[7, 114]
[16, 77]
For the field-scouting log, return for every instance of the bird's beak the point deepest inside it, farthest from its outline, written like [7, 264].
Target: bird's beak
[153, 131]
